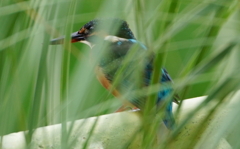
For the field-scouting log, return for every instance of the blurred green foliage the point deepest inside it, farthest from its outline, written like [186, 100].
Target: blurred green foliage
[42, 84]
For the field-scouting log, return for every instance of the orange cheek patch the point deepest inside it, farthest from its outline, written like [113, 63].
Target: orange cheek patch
[82, 30]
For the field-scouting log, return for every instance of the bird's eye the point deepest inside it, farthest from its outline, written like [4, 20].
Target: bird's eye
[91, 28]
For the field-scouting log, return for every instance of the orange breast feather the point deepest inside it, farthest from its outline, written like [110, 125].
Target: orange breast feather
[105, 82]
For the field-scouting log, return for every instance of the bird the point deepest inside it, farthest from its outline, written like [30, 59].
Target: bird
[125, 66]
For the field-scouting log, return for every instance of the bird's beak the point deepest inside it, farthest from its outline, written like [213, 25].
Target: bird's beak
[75, 37]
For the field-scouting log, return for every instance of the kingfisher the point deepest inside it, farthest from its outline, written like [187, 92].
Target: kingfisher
[125, 65]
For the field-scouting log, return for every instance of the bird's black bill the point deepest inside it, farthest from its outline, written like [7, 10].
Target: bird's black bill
[56, 41]
[75, 37]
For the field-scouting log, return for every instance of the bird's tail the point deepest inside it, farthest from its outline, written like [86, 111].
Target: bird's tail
[168, 117]
[169, 120]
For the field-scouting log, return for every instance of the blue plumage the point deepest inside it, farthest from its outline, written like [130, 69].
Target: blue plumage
[162, 95]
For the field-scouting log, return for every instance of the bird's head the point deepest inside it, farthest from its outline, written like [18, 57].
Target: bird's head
[99, 29]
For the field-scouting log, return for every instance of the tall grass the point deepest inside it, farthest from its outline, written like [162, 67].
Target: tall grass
[197, 41]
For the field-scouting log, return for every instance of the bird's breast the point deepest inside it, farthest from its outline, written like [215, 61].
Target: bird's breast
[106, 83]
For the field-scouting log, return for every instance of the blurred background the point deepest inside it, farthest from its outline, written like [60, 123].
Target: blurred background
[42, 84]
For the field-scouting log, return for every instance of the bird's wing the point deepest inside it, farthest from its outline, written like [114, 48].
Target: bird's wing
[163, 95]
[167, 78]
